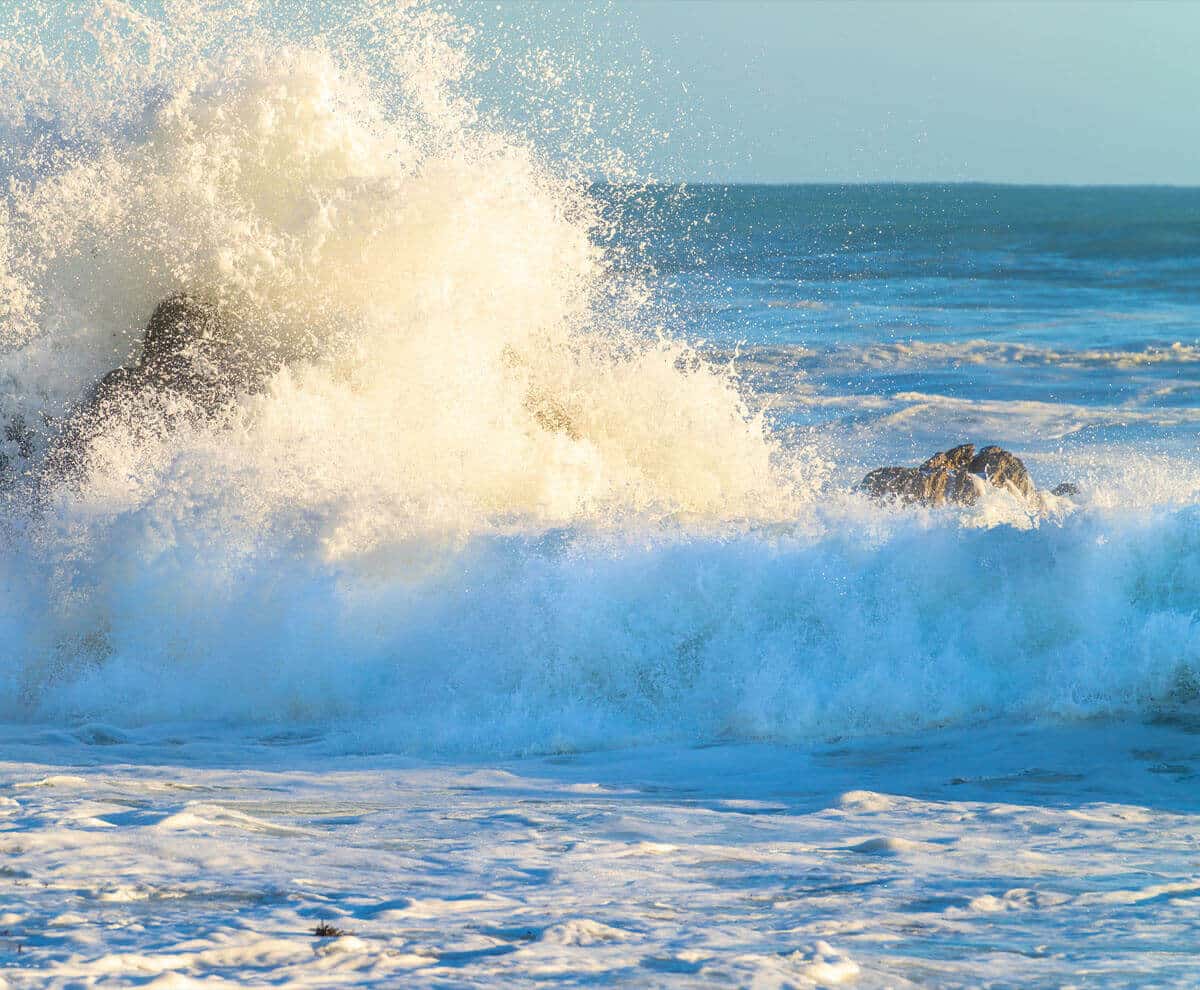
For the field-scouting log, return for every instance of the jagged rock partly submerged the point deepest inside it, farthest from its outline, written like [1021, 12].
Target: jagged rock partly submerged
[956, 476]
[188, 353]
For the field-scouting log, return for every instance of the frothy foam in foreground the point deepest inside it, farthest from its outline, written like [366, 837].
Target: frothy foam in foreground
[481, 501]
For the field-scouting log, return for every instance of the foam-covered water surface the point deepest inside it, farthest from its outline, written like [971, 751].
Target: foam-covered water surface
[993, 856]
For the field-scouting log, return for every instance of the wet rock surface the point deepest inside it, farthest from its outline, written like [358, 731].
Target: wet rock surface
[190, 360]
[1002, 469]
[955, 476]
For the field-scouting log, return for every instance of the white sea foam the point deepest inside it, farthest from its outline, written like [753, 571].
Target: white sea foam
[987, 352]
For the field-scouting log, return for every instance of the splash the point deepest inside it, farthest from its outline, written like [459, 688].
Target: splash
[454, 348]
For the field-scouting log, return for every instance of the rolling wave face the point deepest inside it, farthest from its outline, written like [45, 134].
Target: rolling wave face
[562, 642]
[483, 504]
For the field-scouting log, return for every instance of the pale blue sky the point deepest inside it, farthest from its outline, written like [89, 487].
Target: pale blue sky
[1057, 91]
[755, 90]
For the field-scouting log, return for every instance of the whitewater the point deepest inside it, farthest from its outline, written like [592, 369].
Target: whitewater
[523, 622]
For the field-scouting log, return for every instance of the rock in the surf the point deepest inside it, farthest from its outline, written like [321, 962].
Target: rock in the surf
[185, 352]
[188, 352]
[908, 485]
[953, 459]
[1002, 469]
[956, 476]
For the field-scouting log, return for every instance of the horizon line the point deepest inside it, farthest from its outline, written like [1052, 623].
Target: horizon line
[784, 183]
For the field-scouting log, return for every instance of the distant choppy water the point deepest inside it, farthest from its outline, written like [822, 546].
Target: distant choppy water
[1027, 315]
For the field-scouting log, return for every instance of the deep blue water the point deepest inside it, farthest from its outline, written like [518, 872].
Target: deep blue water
[998, 295]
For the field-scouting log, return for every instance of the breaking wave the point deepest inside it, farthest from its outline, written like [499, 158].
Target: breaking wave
[482, 501]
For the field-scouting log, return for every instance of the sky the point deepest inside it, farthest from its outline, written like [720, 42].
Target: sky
[906, 90]
[1024, 91]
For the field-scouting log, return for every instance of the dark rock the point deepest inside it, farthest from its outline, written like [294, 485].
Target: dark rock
[953, 459]
[176, 326]
[1002, 469]
[956, 475]
[114, 387]
[909, 485]
[188, 352]
[893, 482]
[1065, 490]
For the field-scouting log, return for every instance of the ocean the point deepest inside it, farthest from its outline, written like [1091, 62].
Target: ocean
[522, 620]
[1064, 318]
